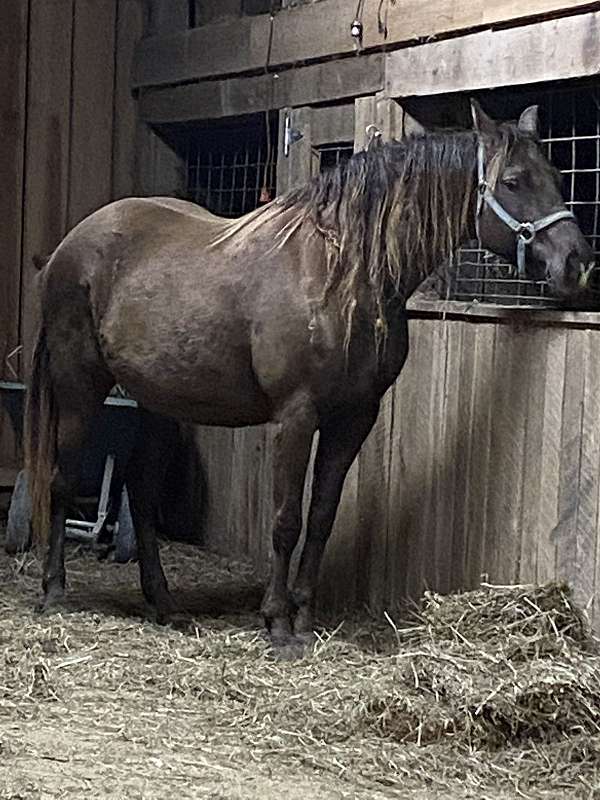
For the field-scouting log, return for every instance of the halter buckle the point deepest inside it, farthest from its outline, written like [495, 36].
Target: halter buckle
[526, 232]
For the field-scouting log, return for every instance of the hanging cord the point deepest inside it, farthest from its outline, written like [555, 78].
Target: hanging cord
[265, 194]
[382, 21]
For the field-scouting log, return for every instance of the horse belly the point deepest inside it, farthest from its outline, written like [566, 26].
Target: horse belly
[189, 372]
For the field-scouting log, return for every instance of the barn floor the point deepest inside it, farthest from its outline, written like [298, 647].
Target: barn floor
[95, 702]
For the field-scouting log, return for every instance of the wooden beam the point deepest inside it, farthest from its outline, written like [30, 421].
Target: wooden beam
[348, 77]
[167, 16]
[485, 60]
[316, 31]
[332, 124]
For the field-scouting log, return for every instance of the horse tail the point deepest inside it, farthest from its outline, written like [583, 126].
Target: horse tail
[41, 423]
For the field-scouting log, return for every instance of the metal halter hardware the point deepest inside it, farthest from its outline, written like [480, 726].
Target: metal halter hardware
[525, 231]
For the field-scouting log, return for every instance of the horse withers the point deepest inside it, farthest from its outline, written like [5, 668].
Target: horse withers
[294, 315]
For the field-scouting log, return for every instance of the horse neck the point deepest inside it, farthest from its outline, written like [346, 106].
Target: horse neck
[434, 217]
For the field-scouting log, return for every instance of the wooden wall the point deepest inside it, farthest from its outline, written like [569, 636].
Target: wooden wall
[485, 460]
[68, 126]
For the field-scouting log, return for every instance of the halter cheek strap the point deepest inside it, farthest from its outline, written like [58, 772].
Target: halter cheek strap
[524, 231]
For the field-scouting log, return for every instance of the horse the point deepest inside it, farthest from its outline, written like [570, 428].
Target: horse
[294, 314]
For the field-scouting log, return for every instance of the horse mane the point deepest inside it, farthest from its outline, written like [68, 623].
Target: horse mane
[394, 213]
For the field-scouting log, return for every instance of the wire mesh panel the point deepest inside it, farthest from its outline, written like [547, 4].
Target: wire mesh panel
[330, 155]
[231, 170]
[570, 131]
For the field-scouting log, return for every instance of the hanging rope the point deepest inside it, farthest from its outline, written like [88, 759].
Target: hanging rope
[382, 20]
[265, 193]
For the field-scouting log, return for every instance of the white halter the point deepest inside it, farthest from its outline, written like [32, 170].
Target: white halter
[525, 231]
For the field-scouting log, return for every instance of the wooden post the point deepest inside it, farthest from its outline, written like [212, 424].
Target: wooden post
[295, 167]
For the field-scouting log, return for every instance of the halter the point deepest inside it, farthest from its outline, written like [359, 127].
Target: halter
[525, 231]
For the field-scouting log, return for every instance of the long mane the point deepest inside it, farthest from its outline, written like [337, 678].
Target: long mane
[393, 213]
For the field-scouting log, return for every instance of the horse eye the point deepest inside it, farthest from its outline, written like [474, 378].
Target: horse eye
[511, 182]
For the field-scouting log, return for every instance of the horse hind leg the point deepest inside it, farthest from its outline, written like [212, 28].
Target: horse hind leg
[79, 382]
[73, 427]
[145, 475]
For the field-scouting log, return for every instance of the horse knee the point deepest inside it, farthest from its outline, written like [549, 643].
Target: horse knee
[286, 531]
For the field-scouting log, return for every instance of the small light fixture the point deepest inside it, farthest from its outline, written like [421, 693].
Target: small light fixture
[356, 31]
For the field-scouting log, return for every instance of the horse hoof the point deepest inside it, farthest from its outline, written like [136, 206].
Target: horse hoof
[308, 638]
[163, 613]
[51, 601]
[289, 648]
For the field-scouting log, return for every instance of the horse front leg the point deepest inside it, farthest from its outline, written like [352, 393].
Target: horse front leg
[293, 442]
[340, 440]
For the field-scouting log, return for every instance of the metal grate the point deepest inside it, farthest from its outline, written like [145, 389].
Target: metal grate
[330, 155]
[570, 127]
[228, 168]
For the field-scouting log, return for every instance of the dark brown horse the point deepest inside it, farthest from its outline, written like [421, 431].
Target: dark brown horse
[294, 314]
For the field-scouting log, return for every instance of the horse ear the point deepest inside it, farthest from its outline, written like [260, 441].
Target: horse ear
[528, 123]
[481, 122]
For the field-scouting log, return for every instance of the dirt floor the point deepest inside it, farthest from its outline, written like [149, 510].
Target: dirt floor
[97, 702]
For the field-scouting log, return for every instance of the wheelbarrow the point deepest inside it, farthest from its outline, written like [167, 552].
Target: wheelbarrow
[105, 458]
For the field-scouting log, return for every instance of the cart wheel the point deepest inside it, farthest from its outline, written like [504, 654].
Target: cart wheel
[125, 543]
[18, 529]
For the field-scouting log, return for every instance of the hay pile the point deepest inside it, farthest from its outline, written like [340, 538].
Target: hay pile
[489, 694]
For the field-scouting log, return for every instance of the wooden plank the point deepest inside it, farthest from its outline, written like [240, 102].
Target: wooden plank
[419, 464]
[479, 60]
[447, 454]
[429, 445]
[364, 115]
[569, 497]
[481, 404]
[461, 447]
[168, 16]
[48, 140]
[406, 473]
[534, 356]
[550, 453]
[419, 307]
[589, 476]
[92, 107]
[509, 393]
[373, 509]
[303, 85]
[13, 67]
[215, 448]
[129, 29]
[295, 168]
[332, 124]
[315, 31]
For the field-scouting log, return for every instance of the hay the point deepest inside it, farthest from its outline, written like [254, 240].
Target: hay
[489, 694]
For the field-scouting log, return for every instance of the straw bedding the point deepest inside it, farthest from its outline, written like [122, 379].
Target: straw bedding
[490, 694]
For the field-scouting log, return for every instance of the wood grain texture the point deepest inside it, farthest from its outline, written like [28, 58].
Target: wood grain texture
[316, 31]
[13, 68]
[480, 474]
[569, 495]
[90, 175]
[534, 357]
[129, 29]
[48, 143]
[234, 96]
[485, 60]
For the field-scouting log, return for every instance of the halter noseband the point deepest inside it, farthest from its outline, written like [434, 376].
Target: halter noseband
[525, 231]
